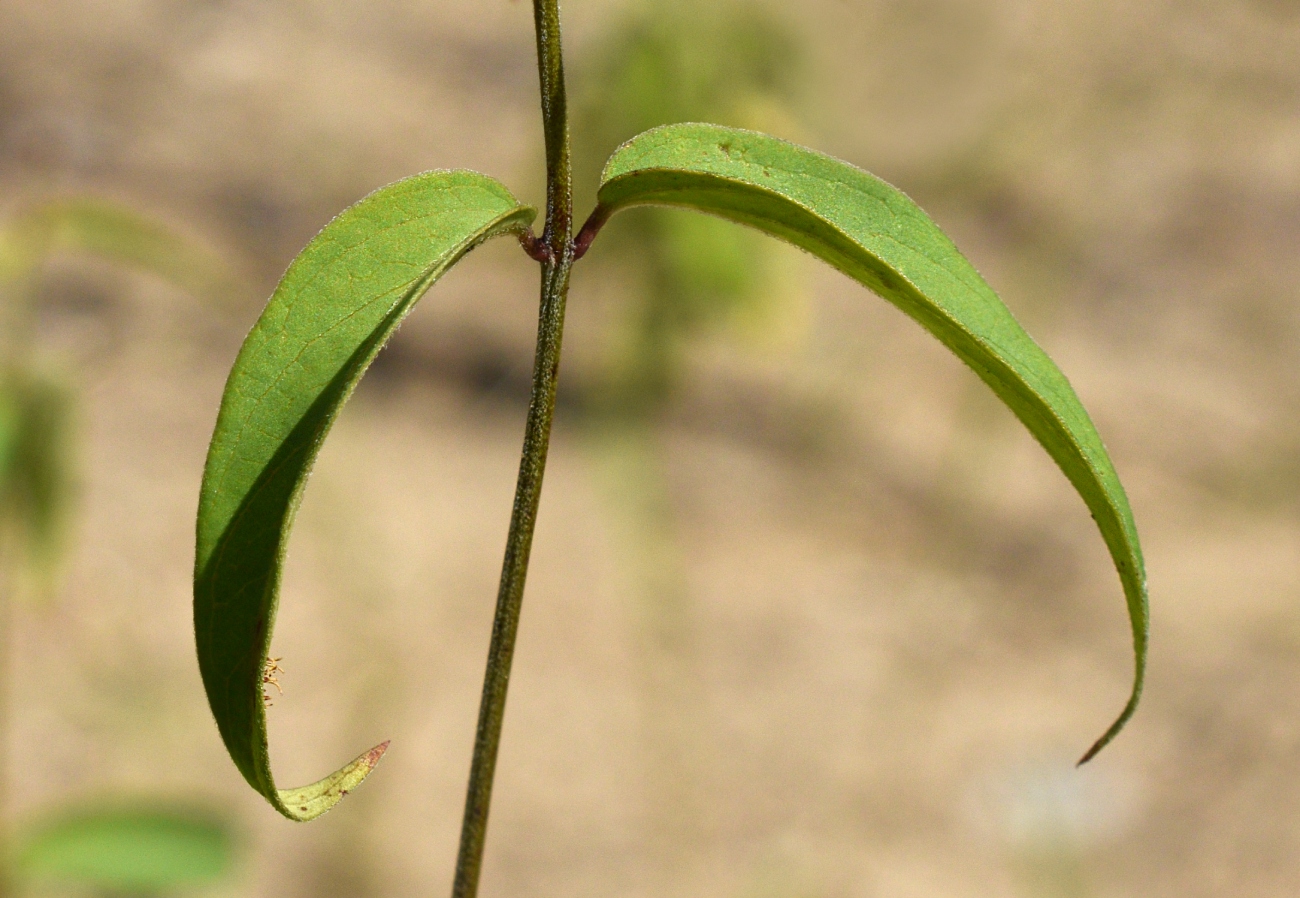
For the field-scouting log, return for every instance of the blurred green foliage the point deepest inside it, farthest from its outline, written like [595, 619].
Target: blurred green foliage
[143, 849]
[129, 850]
[36, 402]
[111, 231]
[35, 464]
[675, 61]
[687, 276]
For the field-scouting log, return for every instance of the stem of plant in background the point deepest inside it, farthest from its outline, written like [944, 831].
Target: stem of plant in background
[6, 684]
[555, 249]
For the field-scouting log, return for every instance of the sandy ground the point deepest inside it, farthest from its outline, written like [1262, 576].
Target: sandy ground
[835, 626]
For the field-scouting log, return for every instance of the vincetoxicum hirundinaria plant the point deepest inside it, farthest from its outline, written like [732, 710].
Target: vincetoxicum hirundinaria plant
[349, 289]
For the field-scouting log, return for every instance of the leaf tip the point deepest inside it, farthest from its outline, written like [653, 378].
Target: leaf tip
[372, 757]
[1119, 724]
[309, 802]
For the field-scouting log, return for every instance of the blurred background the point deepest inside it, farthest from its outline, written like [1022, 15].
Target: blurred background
[810, 615]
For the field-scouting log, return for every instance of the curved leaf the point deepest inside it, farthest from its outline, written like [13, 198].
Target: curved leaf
[131, 850]
[113, 231]
[334, 309]
[876, 235]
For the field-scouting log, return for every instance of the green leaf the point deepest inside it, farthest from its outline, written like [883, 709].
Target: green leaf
[139, 850]
[334, 309]
[876, 235]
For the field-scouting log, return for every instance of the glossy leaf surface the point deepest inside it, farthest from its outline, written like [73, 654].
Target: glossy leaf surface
[334, 309]
[873, 233]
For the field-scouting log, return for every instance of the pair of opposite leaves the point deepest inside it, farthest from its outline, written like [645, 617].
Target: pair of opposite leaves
[349, 289]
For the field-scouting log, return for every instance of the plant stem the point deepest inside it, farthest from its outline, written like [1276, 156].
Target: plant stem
[557, 238]
[558, 234]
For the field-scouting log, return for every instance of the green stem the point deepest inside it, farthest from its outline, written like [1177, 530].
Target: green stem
[558, 235]
[557, 238]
